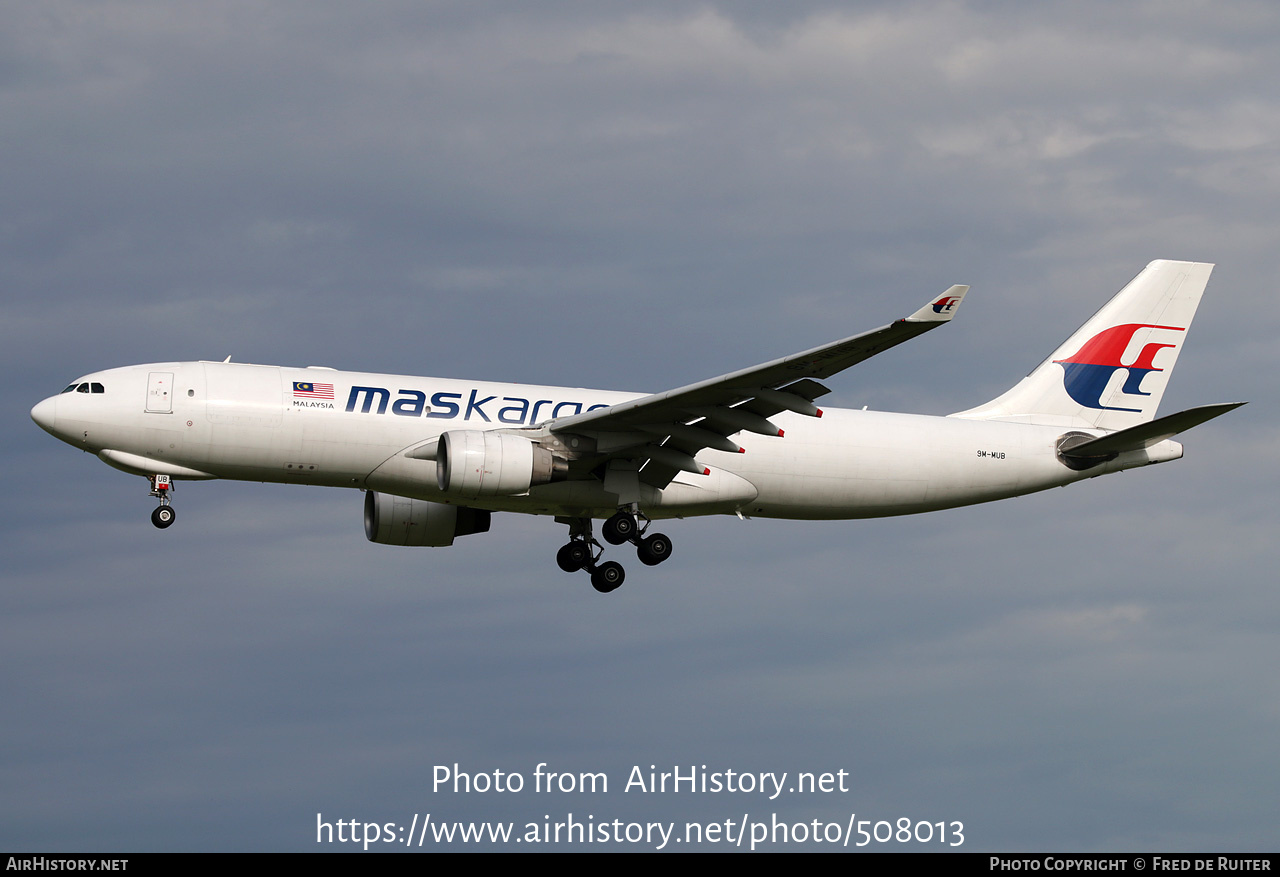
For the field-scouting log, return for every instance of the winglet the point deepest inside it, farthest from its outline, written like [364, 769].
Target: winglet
[942, 308]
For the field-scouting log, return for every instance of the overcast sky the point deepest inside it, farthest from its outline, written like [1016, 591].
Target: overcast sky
[636, 196]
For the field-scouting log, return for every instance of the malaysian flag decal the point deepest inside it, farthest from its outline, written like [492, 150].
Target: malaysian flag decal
[308, 390]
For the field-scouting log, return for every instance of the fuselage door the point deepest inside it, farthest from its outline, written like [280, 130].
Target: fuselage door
[160, 393]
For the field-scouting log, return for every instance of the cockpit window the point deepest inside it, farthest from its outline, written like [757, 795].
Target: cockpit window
[85, 387]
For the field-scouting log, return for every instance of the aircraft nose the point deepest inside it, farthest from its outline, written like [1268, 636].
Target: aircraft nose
[44, 414]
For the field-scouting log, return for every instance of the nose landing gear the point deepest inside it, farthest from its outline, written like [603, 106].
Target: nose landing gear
[163, 516]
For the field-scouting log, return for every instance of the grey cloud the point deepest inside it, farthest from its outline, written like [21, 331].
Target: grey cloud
[634, 197]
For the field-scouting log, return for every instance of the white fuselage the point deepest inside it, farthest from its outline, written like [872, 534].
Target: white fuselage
[251, 422]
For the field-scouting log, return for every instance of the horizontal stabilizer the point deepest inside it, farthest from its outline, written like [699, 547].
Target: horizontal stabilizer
[1145, 435]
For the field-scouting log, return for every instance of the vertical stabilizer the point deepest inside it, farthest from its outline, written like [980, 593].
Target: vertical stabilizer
[1111, 374]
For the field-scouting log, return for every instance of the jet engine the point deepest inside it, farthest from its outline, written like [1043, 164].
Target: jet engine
[473, 462]
[398, 520]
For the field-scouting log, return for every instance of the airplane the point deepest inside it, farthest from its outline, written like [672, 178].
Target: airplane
[436, 457]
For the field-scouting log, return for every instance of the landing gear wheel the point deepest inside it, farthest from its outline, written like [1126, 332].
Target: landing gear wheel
[607, 576]
[573, 556]
[620, 528]
[163, 516]
[653, 550]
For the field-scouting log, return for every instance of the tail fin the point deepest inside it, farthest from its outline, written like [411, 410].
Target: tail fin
[1111, 374]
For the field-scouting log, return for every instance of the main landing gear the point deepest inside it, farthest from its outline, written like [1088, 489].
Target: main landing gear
[584, 552]
[164, 514]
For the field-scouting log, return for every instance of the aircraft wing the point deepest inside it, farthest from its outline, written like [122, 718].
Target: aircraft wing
[669, 429]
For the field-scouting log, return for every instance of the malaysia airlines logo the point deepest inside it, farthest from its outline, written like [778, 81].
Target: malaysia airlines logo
[308, 390]
[1089, 370]
[946, 303]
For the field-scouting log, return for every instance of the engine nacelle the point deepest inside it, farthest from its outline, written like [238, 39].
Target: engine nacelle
[473, 462]
[398, 520]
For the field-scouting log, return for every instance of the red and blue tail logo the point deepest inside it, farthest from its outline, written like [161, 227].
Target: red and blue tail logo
[946, 303]
[1088, 372]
